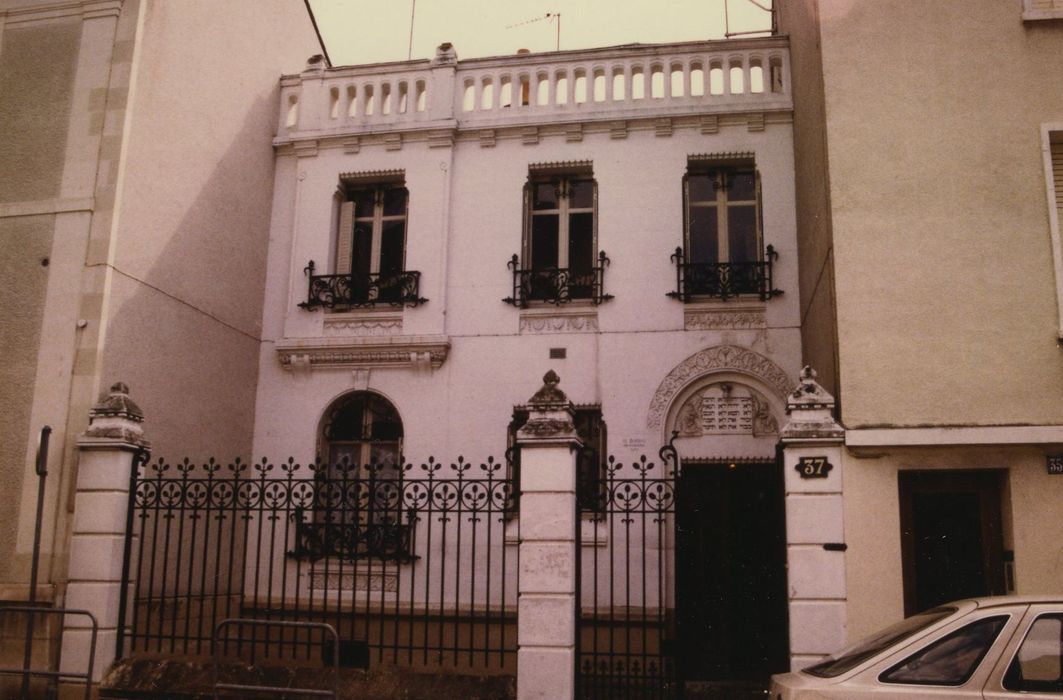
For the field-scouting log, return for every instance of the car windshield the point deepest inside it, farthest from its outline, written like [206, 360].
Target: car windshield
[851, 657]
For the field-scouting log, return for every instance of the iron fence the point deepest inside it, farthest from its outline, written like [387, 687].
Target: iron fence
[411, 565]
[626, 575]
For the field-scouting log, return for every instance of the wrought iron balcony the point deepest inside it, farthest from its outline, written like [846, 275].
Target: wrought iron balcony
[558, 285]
[362, 290]
[724, 280]
[347, 540]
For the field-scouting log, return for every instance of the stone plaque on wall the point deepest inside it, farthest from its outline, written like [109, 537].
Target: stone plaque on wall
[726, 409]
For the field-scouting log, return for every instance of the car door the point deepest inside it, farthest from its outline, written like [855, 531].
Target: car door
[1031, 666]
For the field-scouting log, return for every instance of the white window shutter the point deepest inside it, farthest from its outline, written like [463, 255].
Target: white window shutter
[344, 238]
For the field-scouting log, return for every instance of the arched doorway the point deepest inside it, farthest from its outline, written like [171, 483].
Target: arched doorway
[730, 535]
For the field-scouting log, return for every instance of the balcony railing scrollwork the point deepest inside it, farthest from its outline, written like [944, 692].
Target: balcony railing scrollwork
[347, 536]
[724, 280]
[558, 285]
[362, 290]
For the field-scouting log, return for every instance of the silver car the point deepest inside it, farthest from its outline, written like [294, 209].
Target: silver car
[985, 648]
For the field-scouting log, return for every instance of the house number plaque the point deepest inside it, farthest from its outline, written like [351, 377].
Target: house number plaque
[1055, 464]
[813, 467]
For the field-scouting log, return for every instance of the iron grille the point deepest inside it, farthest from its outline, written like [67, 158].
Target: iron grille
[558, 285]
[724, 280]
[362, 290]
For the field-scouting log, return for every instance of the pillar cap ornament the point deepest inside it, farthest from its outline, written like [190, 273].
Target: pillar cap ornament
[550, 416]
[115, 418]
[811, 411]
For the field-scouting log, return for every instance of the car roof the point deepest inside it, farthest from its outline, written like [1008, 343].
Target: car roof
[1002, 600]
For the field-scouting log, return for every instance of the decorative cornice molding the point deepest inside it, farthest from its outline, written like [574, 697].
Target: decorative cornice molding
[721, 358]
[363, 352]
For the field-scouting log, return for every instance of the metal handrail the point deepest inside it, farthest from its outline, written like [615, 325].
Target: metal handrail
[723, 280]
[352, 290]
[26, 672]
[327, 631]
[558, 285]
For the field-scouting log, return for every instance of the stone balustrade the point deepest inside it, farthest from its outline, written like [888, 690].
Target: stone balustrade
[625, 82]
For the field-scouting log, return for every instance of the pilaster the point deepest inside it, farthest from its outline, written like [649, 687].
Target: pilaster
[815, 533]
[107, 455]
[547, 602]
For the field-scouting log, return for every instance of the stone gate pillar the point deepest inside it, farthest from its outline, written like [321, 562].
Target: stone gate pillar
[815, 535]
[106, 454]
[548, 601]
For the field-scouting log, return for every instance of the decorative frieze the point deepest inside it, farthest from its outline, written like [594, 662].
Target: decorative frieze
[726, 408]
[363, 325]
[559, 321]
[738, 318]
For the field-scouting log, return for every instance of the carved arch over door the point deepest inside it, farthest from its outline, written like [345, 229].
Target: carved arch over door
[721, 358]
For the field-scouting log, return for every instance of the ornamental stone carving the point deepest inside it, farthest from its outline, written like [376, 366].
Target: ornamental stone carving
[549, 415]
[721, 358]
[116, 417]
[558, 323]
[726, 408]
[715, 320]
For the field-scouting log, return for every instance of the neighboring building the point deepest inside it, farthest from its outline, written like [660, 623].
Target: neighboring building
[135, 179]
[929, 171]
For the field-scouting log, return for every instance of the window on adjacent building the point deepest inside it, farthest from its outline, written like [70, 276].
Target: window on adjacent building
[590, 459]
[1042, 9]
[723, 253]
[560, 260]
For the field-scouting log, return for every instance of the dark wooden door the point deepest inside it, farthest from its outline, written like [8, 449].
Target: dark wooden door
[951, 538]
[731, 572]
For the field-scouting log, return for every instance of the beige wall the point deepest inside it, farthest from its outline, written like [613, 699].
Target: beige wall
[142, 148]
[183, 317]
[945, 287]
[1031, 502]
[799, 19]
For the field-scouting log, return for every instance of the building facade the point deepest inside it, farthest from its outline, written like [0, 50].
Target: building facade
[928, 180]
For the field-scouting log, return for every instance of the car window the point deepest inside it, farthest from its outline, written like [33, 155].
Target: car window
[1038, 666]
[950, 660]
[851, 657]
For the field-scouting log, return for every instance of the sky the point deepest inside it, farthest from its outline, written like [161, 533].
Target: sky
[371, 31]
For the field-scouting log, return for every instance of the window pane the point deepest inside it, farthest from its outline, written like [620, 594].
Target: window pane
[392, 239]
[395, 201]
[742, 186]
[347, 422]
[363, 203]
[544, 252]
[742, 233]
[851, 657]
[581, 241]
[545, 196]
[700, 187]
[346, 453]
[1039, 664]
[952, 659]
[581, 194]
[704, 238]
[363, 246]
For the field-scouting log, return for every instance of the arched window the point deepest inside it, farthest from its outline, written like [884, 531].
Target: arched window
[362, 429]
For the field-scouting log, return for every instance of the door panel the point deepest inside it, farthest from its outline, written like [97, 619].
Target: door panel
[730, 572]
[951, 536]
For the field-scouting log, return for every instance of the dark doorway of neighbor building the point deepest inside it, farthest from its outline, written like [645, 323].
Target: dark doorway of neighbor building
[951, 536]
[731, 572]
